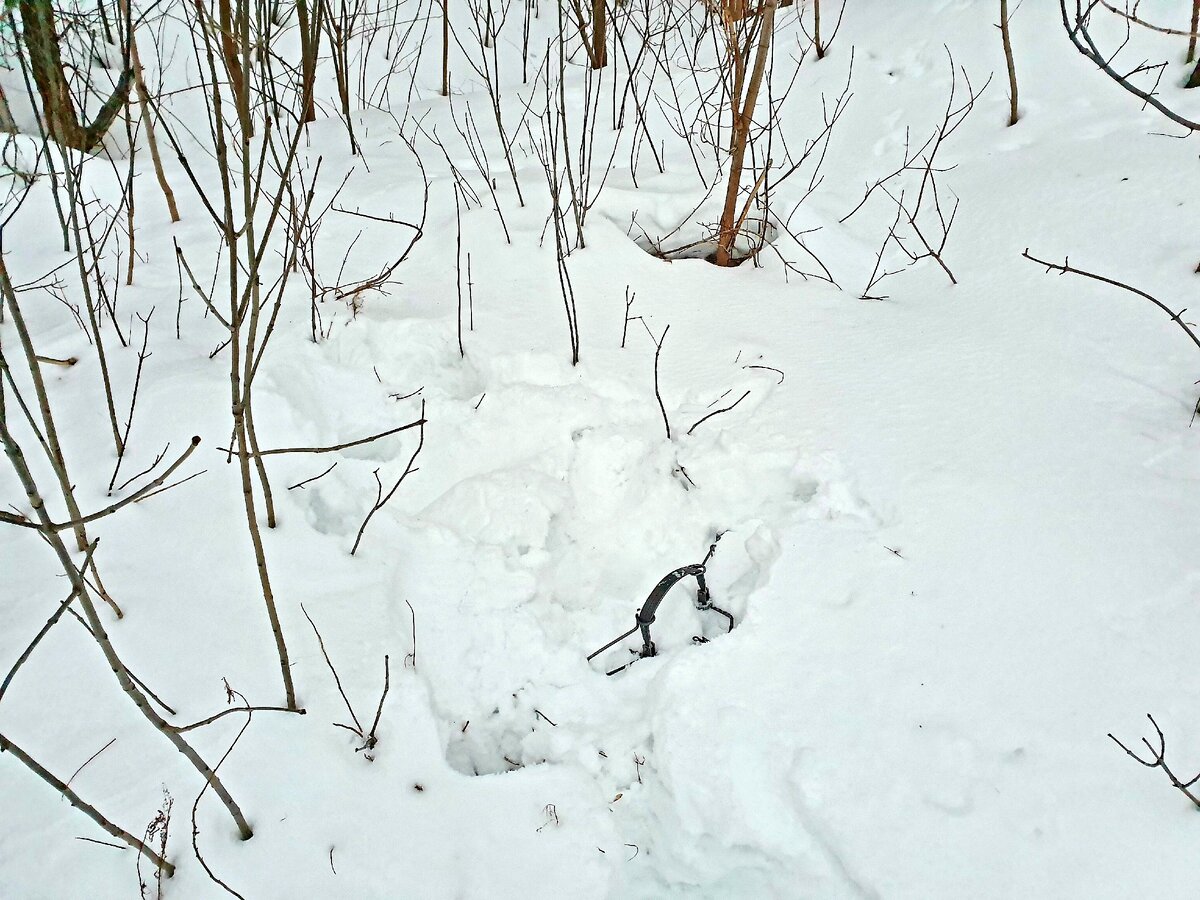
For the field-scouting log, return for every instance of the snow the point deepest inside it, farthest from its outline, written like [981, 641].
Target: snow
[958, 522]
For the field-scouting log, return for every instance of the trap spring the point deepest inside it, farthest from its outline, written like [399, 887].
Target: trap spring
[645, 616]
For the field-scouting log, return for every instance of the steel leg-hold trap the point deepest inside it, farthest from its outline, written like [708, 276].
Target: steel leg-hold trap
[646, 615]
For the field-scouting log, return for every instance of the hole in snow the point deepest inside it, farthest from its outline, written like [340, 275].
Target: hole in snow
[805, 490]
[696, 241]
[491, 744]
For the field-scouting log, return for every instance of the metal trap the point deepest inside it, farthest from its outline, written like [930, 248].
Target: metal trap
[646, 615]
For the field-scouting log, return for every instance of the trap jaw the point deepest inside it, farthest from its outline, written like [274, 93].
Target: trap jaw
[646, 614]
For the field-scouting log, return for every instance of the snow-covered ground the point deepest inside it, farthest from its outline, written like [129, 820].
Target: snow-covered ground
[958, 522]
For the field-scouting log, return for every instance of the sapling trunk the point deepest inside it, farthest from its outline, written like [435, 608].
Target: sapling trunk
[80, 228]
[1194, 78]
[310, 45]
[40, 35]
[446, 48]
[742, 114]
[1191, 54]
[233, 65]
[247, 248]
[599, 35]
[1008, 61]
[83, 592]
[7, 746]
[817, 45]
[49, 430]
[139, 85]
[130, 231]
[44, 136]
[7, 125]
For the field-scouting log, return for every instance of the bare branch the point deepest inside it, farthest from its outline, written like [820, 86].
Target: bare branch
[1082, 39]
[1065, 268]
[1158, 760]
[717, 412]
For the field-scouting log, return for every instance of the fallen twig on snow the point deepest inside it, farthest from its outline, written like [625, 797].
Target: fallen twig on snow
[717, 412]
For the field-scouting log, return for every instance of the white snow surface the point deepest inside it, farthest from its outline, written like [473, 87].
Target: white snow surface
[958, 548]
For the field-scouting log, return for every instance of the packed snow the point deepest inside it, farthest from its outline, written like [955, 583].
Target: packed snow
[956, 524]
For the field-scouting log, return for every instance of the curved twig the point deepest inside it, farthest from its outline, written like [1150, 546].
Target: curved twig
[1082, 39]
[180, 729]
[717, 412]
[658, 345]
[333, 447]
[1132, 17]
[1066, 267]
[141, 493]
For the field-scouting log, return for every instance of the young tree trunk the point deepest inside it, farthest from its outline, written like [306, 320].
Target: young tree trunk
[310, 45]
[1194, 78]
[1195, 24]
[7, 746]
[1008, 61]
[445, 49]
[58, 107]
[599, 35]
[233, 66]
[7, 125]
[817, 45]
[742, 108]
[151, 141]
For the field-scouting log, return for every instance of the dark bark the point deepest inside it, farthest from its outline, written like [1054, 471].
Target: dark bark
[1194, 78]
[58, 106]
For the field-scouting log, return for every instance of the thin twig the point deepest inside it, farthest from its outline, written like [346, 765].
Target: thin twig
[1065, 267]
[412, 657]
[380, 499]
[301, 484]
[180, 729]
[44, 630]
[142, 493]
[329, 662]
[150, 468]
[1132, 17]
[717, 412]
[768, 369]
[332, 448]
[657, 393]
[372, 739]
[195, 806]
[89, 759]
[101, 843]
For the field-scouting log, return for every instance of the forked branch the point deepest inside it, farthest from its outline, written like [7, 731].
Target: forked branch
[368, 737]
[382, 498]
[1158, 760]
[1076, 26]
